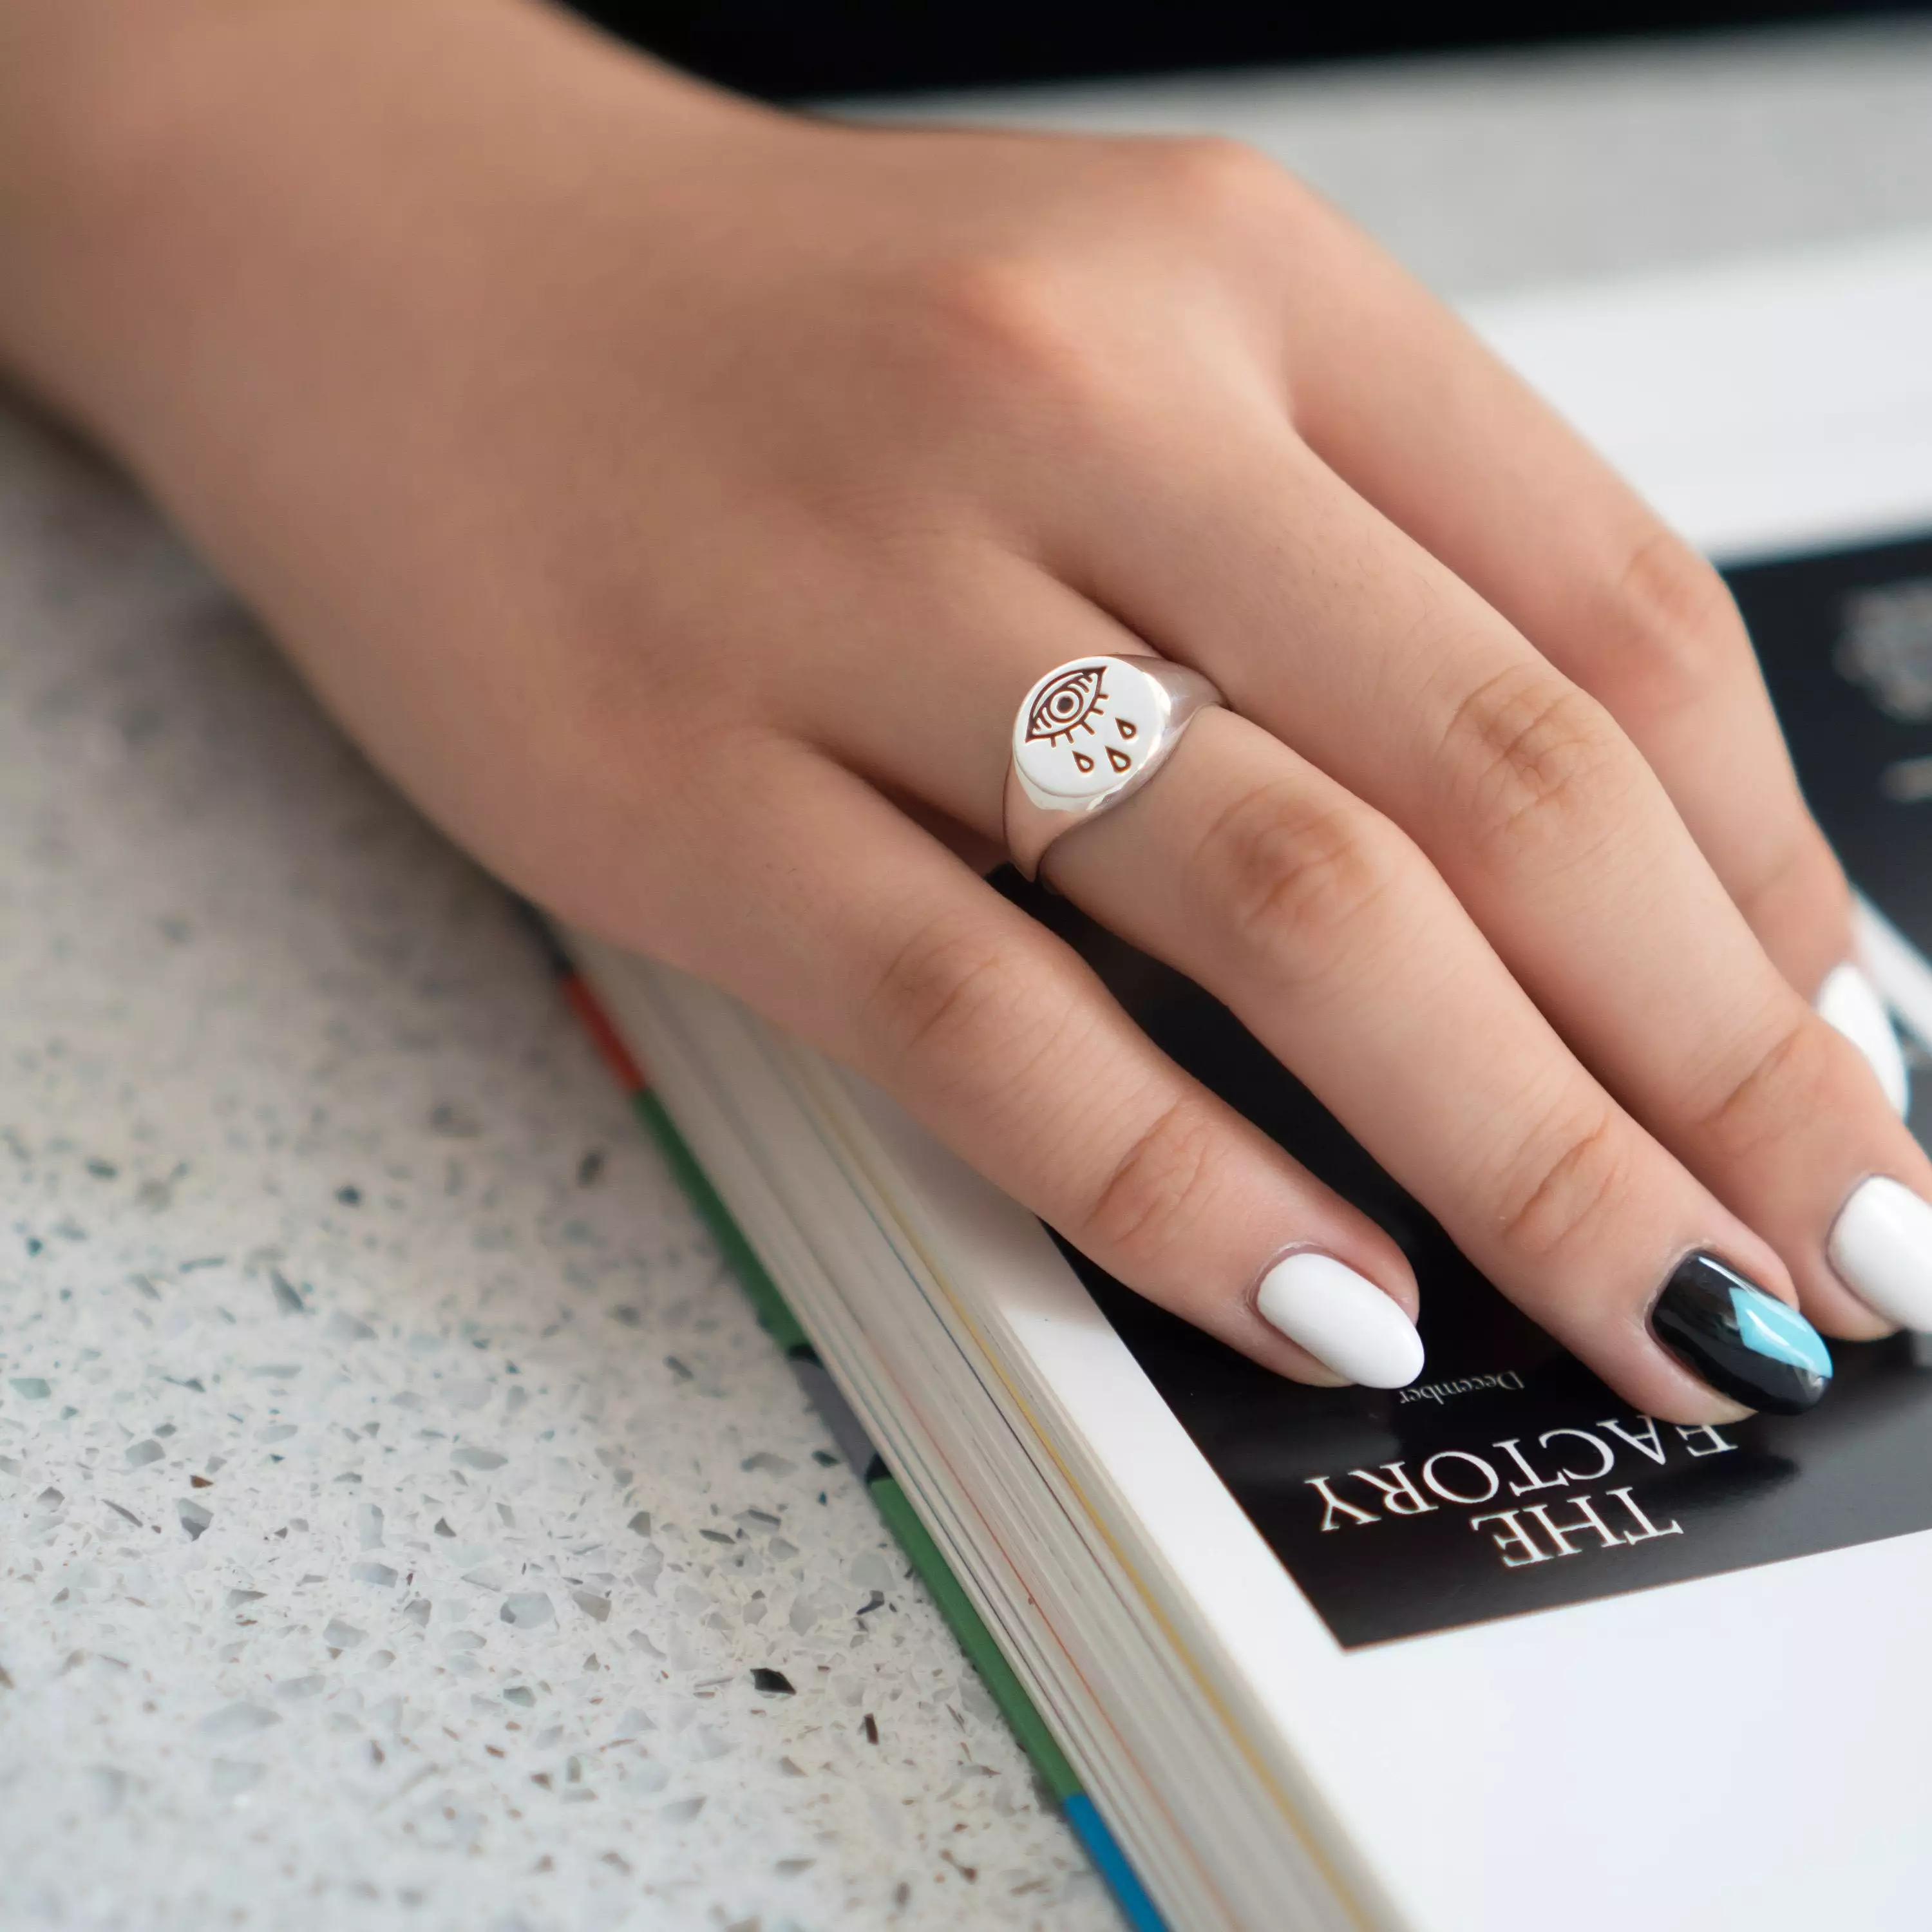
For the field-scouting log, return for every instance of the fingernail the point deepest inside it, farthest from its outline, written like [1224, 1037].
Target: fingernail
[1881, 1248]
[1341, 1318]
[1744, 1343]
[1850, 1001]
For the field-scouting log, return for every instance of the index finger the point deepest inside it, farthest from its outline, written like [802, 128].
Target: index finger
[1402, 400]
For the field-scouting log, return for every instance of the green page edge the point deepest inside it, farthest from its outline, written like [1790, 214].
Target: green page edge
[968, 1628]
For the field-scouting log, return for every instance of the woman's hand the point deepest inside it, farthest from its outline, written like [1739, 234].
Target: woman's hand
[677, 499]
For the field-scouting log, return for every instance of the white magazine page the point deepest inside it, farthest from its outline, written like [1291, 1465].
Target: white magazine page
[1670, 1757]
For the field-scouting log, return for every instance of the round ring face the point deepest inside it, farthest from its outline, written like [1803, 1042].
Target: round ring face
[1088, 727]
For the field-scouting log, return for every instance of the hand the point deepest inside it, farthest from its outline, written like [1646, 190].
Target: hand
[677, 499]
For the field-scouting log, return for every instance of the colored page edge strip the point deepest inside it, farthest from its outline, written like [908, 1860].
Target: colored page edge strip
[895, 1506]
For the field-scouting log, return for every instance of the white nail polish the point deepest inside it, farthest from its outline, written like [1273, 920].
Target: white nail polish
[1881, 1247]
[1850, 1001]
[1341, 1318]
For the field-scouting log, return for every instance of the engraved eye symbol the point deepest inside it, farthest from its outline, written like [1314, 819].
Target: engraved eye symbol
[1066, 704]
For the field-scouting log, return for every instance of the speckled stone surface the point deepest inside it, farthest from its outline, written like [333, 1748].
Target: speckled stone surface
[395, 1501]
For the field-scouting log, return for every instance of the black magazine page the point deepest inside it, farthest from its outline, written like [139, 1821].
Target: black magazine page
[1510, 1479]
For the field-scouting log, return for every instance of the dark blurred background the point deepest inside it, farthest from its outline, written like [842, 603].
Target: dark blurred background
[786, 49]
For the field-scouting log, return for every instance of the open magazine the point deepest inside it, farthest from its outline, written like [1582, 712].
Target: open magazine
[1494, 1652]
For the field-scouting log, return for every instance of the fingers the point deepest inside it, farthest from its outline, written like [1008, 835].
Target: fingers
[1333, 938]
[821, 905]
[1331, 627]
[1402, 401]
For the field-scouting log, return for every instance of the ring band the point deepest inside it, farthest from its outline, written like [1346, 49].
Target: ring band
[1090, 734]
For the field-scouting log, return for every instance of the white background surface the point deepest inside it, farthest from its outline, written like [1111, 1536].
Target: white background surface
[236, 976]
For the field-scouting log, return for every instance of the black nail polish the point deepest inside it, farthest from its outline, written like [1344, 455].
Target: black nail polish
[1746, 1344]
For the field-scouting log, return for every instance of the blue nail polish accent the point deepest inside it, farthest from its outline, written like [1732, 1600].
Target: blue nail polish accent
[1744, 1343]
[1776, 1329]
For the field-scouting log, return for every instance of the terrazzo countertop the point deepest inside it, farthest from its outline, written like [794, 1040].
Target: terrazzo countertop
[406, 1523]
[401, 1505]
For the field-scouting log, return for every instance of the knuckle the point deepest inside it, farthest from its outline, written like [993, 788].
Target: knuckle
[1006, 326]
[1565, 1182]
[951, 997]
[1797, 884]
[1671, 631]
[1532, 759]
[1027, 318]
[1784, 1083]
[1223, 182]
[1300, 880]
[1154, 1198]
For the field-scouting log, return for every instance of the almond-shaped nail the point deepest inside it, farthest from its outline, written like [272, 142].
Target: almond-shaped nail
[1741, 1342]
[1850, 1001]
[1341, 1318]
[1881, 1248]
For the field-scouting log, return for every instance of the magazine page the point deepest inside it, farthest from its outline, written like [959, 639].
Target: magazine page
[1509, 1479]
[1477, 1625]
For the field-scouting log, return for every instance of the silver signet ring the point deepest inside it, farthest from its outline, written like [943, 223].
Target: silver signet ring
[1090, 734]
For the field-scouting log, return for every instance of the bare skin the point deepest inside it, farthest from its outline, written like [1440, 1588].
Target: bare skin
[676, 498]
